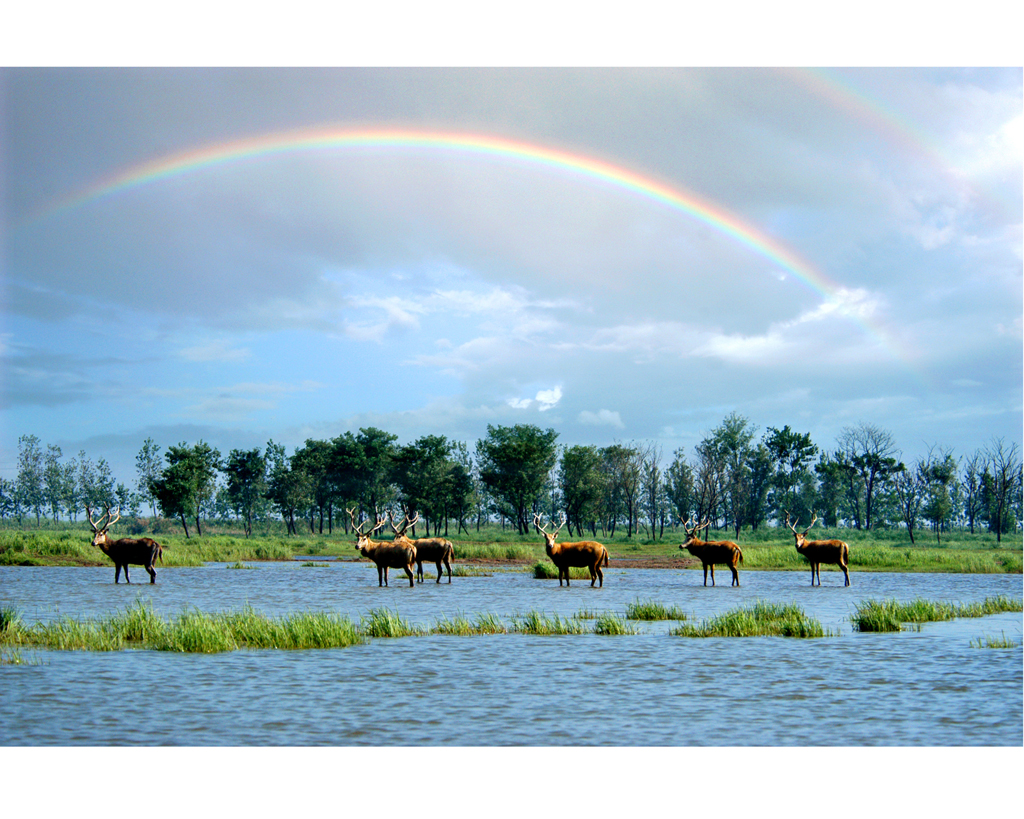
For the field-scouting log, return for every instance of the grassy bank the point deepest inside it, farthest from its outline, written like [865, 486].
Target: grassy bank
[766, 549]
[892, 615]
[759, 620]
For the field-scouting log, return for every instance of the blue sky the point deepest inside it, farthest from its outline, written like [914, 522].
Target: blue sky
[422, 292]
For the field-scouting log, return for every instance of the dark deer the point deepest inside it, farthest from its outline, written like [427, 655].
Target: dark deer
[821, 551]
[397, 554]
[435, 550]
[583, 553]
[143, 551]
[723, 552]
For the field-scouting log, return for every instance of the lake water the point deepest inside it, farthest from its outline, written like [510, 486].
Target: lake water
[914, 688]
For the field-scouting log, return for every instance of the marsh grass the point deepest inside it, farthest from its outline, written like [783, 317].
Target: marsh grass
[546, 570]
[535, 622]
[891, 615]
[312, 564]
[652, 610]
[495, 551]
[238, 564]
[759, 620]
[613, 624]
[386, 623]
[9, 618]
[994, 642]
[462, 626]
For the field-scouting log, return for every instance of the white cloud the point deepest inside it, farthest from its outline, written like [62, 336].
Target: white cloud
[545, 399]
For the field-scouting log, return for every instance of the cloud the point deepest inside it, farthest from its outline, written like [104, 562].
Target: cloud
[545, 399]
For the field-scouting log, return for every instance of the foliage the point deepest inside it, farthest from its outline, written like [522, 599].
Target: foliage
[890, 615]
[514, 465]
[759, 620]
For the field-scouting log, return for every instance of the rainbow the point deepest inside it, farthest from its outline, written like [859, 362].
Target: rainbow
[590, 168]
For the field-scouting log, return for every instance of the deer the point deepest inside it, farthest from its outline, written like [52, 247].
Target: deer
[143, 551]
[435, 550]
[588, 553]
[723, 552]
[821, 551]
[397, 554]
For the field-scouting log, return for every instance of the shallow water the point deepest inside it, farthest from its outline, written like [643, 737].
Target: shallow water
[927, 687]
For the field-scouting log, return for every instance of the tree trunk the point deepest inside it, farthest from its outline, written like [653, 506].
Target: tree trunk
[184, 525]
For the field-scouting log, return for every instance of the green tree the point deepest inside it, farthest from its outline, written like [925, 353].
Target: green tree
[680, 486]
[1004, 467]
[910, 486]
[314, 460]
[581, 480]
[288, 486]
[939, 473]
[31, 490]
[791, 454]
[53, 481]
[246, 472]
[147, 465]
[870, 459]
[514, 466]
[971, 488]
[729, 444]
[188, 482]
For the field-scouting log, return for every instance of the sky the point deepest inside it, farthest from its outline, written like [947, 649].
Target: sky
[620, 254]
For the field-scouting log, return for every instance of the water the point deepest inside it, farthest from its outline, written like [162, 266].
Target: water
[928, 687]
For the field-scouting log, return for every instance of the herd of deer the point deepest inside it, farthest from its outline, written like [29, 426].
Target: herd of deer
[402, 552]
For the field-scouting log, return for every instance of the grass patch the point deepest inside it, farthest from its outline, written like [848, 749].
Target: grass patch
[534, 622]
[613, 624]
[891, 615]
[462, 626]
[759, 620]
[994, 642]
[314, 565]
[652, 610]
[387, 623]
[238, 564]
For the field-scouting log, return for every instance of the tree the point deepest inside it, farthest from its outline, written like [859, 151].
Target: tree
[53, 481]
[288, 486]
[651, 483]
[188, 482]
[831, 488]
[514, 466]
[791, 454]
[729, 445]
[1004, 464]
[246, 473]
[147, 465]
[972, 489]
[314, 460]
[870, 456]
[910, 486]
[938, 474]
[679, 481]
[31, 493]
[582, 483]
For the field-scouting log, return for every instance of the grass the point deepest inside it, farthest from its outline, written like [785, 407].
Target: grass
[545, 570]
[768, 548]
[314, 564]
[193, 631]
[613, 624]
[652, 610]
[759, 620]
[461, 626]
[994, 642]
[535, 622]
[386, 623]
[891, 615]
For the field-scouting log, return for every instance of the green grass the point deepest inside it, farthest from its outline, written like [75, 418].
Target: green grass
[462, 626]
[546, 570]
[312, 564]
[994, 642]
[613, 624]
[386, 623]
[891, 615]
[535, 622]
[759, 620]
[652, 610]
[67, 544]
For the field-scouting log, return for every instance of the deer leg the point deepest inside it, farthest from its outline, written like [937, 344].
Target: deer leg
[127, 579]
[846, 573]
[735, 576]
[440, 571]
[705, 574]
[448, 566]
[408, 571]
[117, 572]
[152, 573]
[712, 565]
[380, 575]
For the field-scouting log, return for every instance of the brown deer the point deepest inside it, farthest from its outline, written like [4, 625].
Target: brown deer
[435, 550]
[821, 551]
[397, 554]
[722, 552]
[143, 551]
[583, 553]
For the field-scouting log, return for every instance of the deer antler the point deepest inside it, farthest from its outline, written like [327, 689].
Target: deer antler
[814, 517]
[406, 523]
[95, 526]
[358, 527]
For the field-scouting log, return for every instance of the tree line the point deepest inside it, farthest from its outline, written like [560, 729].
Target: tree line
[733, 478]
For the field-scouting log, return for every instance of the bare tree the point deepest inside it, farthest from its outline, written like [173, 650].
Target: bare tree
[872, 456]
[1005, 468]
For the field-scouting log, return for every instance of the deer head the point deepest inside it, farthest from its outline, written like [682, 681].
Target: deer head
[363, 538]
[549, 537]
[691, 534]
[99, 537]
[801, 537]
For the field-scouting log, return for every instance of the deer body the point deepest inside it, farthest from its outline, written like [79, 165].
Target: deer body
[722, 552]
[143, 551]
[435, 550]
[587, 554]
[397, 554]
[817, 552]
